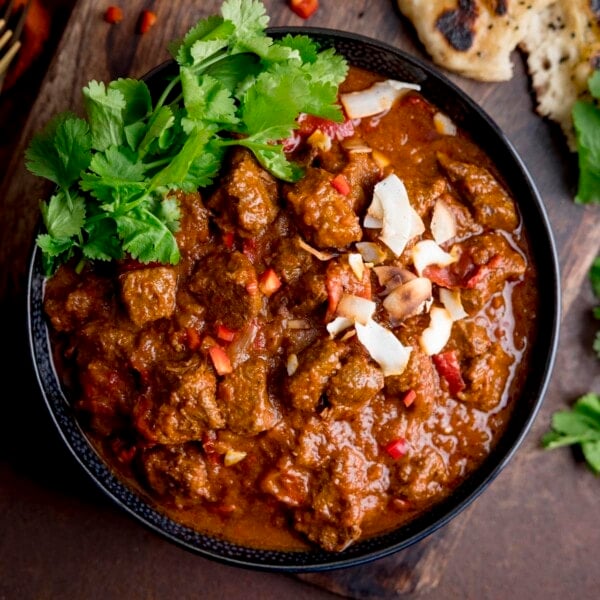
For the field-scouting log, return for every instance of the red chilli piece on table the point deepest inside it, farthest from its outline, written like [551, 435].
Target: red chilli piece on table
[146, 21]
[113, 15]
[448, 367]
[397, 448]
[340, 184]
[304, 8]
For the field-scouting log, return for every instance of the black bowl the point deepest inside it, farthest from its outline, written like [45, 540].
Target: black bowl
[390, 62]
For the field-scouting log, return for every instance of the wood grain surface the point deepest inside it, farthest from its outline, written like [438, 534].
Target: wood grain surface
[525, 533]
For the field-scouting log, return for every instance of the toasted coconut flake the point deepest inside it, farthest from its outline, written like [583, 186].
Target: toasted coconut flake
[292, 364]
[358, 309]
[338, 325]
[392, 276]
[443, 124]
[384, 347]
[371, 252]
[436, 336]
[427, 252]
[324, 256]
[453, 304]
[443, 222]
[376, 99]
[233, 457]
[357, 265]
[408, 299]
[391, 208]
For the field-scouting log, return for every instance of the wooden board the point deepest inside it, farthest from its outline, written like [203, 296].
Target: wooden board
[91, 48]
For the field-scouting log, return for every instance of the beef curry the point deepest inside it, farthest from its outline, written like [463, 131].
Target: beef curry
[311, 372]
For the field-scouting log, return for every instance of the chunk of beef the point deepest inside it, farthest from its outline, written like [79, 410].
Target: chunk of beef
[326, 216]
[337, 508]
[485, 377]
[361, 173]
[227, 285]
[354, 384]
[194, 226]
[190, 410]
[177, 473]
[288, 483]
[245, 400]
[316, 366]
[248, 194]
[291, 260]
[420, 475]
[72, 299]
[107, 393]
[149, 294]
[492, 205]
[472, 338]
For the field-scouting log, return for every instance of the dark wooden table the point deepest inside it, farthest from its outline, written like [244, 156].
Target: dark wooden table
[533, 534]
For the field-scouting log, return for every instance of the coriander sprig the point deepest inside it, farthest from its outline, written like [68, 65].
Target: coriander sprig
[114, 170]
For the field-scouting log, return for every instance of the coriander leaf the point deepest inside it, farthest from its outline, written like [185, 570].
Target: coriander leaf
[594, 84]
[328, 67]
[204, 168]
[161, 122]
[63, 217]
[138, 103]
[54, 251]
[146, 238]
[249, 17]
[117, 164]
[578, 426]
[61, 151]
[595, 276]
[596, 344]
[232, 71]
[273, 159]
[213, 31]
[102, 240]
[586, 119]
[306, 48]
[104, 108]
[591, 453]
[207, 99]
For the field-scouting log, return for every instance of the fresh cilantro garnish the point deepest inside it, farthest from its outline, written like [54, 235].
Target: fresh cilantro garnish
[581, 424]
[115, 169]
[578, 426]
[586, 118]
[595, 281]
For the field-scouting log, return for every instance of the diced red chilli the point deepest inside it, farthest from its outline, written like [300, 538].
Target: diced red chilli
[304, 8]
[269, 282]
[448, 367]
[409, 398]
[220, 360]
[193, 338]
[340, 184]
[225, 334]
[397, 448]
[146, 21]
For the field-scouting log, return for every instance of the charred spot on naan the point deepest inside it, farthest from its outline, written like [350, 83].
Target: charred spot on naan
[458, 25]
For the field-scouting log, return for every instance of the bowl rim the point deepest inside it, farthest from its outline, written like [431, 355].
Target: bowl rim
[423, 525]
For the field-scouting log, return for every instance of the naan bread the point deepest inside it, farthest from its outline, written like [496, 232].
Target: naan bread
[472, 37]
[476, 38]
[563, 47]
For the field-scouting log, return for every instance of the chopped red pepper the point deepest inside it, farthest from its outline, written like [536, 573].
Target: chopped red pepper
[340, 184]
[113, 14]
[304, 8]
[448, 367]
[409, 398]
[269, 282]
[225, 334]
[397, 448]
[220, 360]
[252, 287]
[146, 21]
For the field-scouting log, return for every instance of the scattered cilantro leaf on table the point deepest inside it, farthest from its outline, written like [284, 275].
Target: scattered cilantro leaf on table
[115, 169]
[581, 424]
